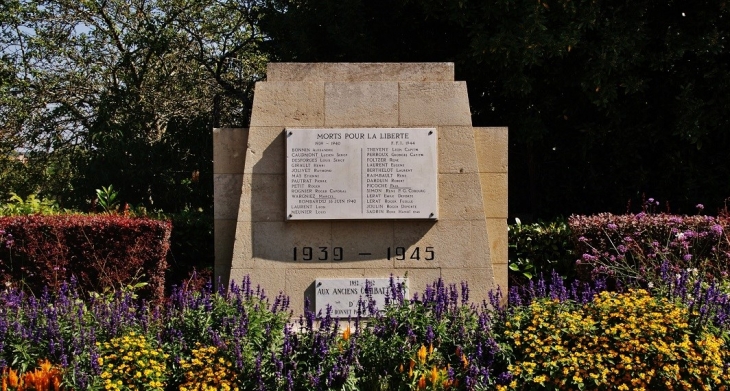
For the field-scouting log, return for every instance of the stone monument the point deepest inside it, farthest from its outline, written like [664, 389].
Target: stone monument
[358, 171]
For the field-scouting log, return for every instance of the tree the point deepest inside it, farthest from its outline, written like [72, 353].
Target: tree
[127, 91]
[605, 100]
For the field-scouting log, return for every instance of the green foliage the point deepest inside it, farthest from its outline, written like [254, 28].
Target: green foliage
[603, 99]
[192, 254]
[106, 198]
[436, 342]
[222, 320]
[539, 248]
[619, 341]
[98, 92]
[32, 205]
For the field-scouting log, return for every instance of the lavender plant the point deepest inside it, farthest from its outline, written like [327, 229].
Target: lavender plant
[239, 322]
[315, 355]
[68, 329]
[435, 340]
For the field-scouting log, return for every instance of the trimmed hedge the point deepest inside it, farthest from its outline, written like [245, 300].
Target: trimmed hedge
[100, 251]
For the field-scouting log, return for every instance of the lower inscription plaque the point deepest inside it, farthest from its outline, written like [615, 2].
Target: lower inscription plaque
[344, 294]
[373, 173]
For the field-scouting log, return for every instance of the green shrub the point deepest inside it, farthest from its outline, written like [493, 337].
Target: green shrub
[31, 205]
[540, 248]
[192, 253]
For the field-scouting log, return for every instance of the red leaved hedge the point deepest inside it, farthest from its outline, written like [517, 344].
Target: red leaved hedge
[101, 251]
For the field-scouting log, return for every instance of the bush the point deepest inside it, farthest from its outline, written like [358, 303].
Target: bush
[101, 251]
[241, 324]
[540, 248]
[632, 248]
[436, 341]
[192, 252]
[617, 341]
[32, 205]
[132, 362]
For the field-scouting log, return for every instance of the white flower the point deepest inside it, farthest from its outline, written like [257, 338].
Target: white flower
[680, 236]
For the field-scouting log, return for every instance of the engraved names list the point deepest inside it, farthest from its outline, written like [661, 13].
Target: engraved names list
[373, 173]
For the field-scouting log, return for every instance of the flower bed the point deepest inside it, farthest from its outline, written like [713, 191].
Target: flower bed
[551, 336]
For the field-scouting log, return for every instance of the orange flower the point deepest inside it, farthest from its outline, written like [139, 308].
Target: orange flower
[13, 378]
[458, 351]
[465, 361]
[422, 383]
[45, 366]
[422, 354]
[400, 368]
[434, 375]
[42, 378]
[430, 349]
[346, 333]
[410, 369]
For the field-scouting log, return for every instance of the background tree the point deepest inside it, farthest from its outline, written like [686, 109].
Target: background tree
[125, 93]
[605, 100]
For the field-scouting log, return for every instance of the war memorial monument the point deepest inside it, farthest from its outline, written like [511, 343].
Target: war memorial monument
[358, 171]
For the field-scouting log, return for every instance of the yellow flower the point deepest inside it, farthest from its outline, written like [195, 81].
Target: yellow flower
[434, 375]
[422, 354]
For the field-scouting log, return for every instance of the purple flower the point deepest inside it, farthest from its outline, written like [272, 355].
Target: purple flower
[716, 229]
[589, 257]
[612, 226]
[700, 207]
[687, 257]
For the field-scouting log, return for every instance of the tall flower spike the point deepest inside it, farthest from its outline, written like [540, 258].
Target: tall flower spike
[422, 354]
[346, 333]
[13, 378]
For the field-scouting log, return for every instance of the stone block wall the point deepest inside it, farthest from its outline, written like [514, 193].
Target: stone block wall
[253, 236]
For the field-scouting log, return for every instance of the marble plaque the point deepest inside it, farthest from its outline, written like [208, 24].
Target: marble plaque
[365, 173]
[344, 294]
